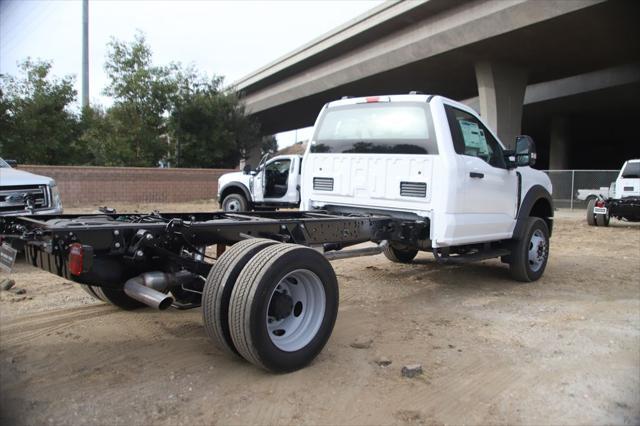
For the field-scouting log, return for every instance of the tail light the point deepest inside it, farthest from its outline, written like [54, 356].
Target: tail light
[599, 203]
[76, 258]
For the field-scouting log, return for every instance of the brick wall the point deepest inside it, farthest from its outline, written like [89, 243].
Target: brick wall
[87, 185]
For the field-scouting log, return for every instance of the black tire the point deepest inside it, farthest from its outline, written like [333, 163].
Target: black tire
[603, 219]
[217, 290]
[251, 304]
[89, 289]
[235, 203]
[591, 217]
[112, 296]
[400, 255]
[522, 267]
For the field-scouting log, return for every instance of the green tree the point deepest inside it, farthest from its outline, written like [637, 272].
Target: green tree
[104, 137]
[269, 144]
[36, 123]
[143, 95]
[209, 126]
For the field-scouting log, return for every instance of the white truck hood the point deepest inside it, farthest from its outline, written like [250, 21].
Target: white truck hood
[13, 177]
[227, 178]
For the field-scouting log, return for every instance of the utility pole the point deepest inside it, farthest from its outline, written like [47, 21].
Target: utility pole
[85, 53]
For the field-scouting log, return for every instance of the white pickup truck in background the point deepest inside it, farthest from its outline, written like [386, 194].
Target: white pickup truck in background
[274, 184]
[591, 194]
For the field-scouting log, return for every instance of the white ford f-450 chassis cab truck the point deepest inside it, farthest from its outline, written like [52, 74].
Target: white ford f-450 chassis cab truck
[623, 200]
[404, 173]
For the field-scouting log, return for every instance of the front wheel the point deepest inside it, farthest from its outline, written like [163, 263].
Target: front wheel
[531, 251]
[235, 203]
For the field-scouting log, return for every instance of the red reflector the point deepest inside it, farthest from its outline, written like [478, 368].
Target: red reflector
[372, 99]
[599, 203]
[76, 258]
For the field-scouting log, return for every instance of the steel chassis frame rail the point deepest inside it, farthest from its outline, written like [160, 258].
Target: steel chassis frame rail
[151, 241]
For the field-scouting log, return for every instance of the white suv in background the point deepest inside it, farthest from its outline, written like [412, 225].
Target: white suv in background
[23, 193]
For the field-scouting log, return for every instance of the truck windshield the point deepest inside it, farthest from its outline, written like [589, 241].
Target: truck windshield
[631, 171]
[3, 164]
[376, 128]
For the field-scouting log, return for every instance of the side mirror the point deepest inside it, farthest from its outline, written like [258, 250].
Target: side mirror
[525, 151]
[12, 163]
[247, 169]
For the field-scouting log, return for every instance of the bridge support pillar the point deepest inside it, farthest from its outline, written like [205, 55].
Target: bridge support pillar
[559, 144]
[501, 90]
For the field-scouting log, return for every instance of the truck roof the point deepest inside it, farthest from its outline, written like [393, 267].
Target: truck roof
[380, 98]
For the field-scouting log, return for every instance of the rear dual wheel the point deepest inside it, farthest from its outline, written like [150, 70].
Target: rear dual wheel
[591, 216]
[596, 219]
[281, 309]
[217, 290]
[603, 219]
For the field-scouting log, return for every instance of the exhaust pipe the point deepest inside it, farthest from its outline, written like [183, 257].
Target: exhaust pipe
[146, 295]
[150, 288]
[367, 251]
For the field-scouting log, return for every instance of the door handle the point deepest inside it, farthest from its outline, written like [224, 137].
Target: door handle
[476, 175]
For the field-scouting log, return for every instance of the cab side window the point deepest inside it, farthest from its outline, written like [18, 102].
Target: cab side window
[471, 137]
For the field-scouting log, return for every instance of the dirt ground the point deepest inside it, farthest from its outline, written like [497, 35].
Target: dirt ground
[563, 350]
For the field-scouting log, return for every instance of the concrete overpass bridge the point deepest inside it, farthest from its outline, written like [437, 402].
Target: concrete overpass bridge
[565, 71]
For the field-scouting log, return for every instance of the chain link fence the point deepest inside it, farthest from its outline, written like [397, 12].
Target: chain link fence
[573, 188]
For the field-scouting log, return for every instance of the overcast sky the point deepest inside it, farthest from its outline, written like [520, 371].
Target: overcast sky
[229, 38]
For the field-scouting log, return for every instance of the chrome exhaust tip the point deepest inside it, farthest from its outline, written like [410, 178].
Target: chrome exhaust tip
[150, 297]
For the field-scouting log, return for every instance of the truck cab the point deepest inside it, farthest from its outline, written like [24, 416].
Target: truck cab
[428, 159]
[627, 183]
[274, 184]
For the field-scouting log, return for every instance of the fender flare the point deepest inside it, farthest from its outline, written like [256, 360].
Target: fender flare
[535, 193]
[238, 185]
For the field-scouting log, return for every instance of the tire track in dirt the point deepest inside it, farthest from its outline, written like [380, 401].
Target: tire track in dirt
[471, 384]
[15, 332]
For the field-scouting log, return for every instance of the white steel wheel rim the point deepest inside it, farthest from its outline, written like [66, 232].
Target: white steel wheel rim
[537, 250]
[293, 331]
[232, 205]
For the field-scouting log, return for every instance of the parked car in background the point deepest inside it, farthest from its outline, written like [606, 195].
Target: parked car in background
[591, 194]
[23, 193]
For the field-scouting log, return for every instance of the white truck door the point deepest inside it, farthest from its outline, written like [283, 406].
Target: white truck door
[279, 180]
[486, 199]
[257, 186]
[295, 177]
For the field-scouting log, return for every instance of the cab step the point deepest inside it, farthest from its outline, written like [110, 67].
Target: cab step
[473, 257]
